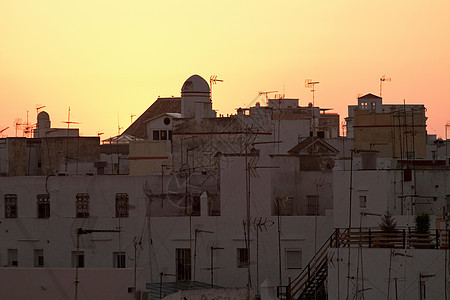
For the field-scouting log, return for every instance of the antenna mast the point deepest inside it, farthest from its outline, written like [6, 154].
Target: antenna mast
[68, 122]
[213, 80]
[267, 95]
[1, 131]
[118, 125]
[311, 84]
[39, 108]
[383, 79]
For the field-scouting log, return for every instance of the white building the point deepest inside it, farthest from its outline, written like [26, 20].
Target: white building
[260, 199]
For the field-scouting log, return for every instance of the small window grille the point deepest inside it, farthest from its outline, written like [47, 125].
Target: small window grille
[362, 201]
[78, 259]
[119, 259]
[183, 263]
[82, 205]
[43, 206]
[313, 205]
[38, 257]
[122, 206]
[10, 206]
[242, 257]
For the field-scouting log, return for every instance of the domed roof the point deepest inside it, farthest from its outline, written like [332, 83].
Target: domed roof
[43, 116]
[195, 84]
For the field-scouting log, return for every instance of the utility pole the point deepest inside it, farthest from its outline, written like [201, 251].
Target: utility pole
[350, 220]
[309, 83]
[135, 243]
[81, 231]
[248, 192]
[197, 231]
[383, 79]
[212, 263]
[259, 225]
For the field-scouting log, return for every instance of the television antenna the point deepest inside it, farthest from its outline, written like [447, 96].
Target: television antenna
[267, 95]
[309, 83]
[383, 79]
[213, 80]
[68, 122]
[25, 127]
[1, 131]
[39, 107]
[118, 125]
[17, 124]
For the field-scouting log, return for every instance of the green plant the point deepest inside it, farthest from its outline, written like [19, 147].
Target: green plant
[388, 223]
[422, 222]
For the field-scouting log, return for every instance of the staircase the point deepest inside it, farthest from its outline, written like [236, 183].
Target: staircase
[312, 277]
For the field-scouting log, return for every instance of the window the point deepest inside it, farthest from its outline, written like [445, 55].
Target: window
[313, 205]
[163, 134]
[78, 259]
[122, 207]
[407, 175]
[293, 258]
[43, 206]
[362, 201]
[166, 121]
[82, 205]
[13, 258]
[195, 205]
[170, 135]
[38, 257]
[10, 206]
[183, 262]
[242, 257]
[155, 135]
[119, 260]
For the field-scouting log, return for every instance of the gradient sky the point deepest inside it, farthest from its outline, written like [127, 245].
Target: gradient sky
[110, 59]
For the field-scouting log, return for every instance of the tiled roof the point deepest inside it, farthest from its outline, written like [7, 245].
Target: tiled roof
[159, 107]
[308, 142]
[369, 96]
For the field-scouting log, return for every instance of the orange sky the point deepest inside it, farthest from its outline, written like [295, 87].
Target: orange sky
[102, 58]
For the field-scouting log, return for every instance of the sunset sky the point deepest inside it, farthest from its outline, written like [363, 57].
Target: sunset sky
[110, 59]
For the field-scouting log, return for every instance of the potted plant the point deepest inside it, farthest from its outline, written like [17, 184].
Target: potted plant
[388, 227]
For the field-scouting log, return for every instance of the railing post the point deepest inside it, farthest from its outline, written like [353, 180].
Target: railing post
[288, 289]
[370, 238]
[337, 237]
[404, 238]
[437, 239]
[448, 237]
[409, 234]
[309, 272]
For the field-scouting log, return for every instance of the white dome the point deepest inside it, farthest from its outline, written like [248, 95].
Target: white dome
[195, 84]
[44, 116]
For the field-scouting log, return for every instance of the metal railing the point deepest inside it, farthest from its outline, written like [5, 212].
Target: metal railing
[299, 283]
[366, 238]
[402, 238]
